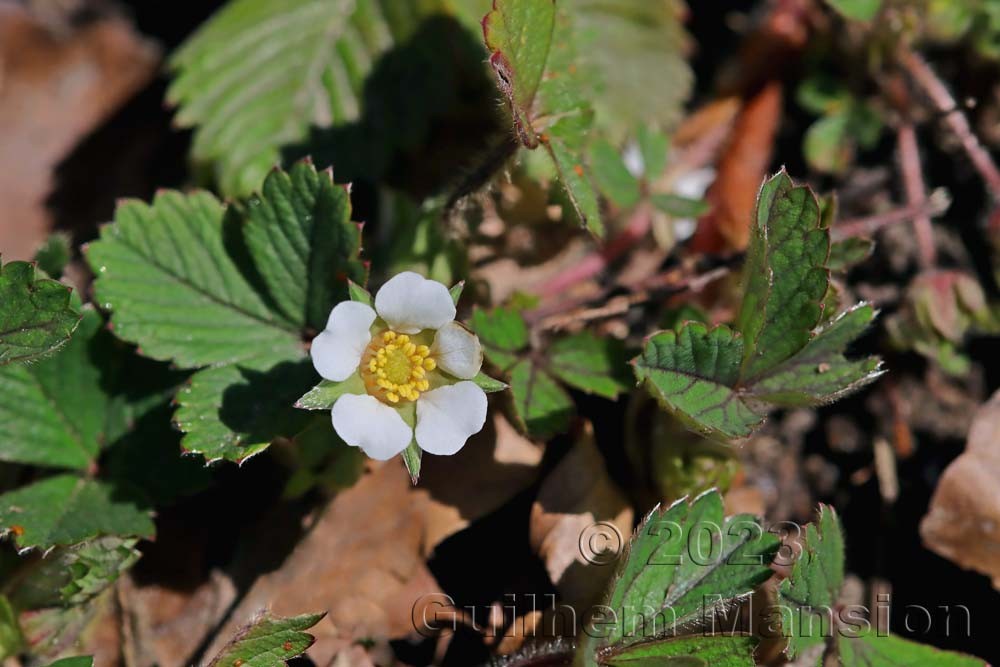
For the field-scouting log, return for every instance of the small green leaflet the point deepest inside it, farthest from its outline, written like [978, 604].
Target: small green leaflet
[583, 361]
[36, 316]
[531, 44]
[66, 509]
[859, 10]
[872, 650]
[692, 372]
[268, 641]
[683, 563]
[786, 350]
[74, 661]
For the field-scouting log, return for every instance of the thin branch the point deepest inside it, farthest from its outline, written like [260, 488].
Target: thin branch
[916, 192]
[933, 206]
[944, 102]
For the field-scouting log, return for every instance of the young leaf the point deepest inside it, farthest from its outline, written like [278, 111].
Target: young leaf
[65, 509]
[234, 412]
[532, 52]
[871, 650]
[55, 254]
[268, 641]
[684, 562]
[812, 589]
[74, 575]
[845, 254]
[260, 73]
[590, 364]
[57, 412]
[819, 373]
[165, 273]
[692, 372]
[36, 316]
[693, 651]
[300, 236]
[786, 277]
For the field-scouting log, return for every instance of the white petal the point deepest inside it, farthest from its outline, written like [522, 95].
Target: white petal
[336, 352]
[410, 303]
[457, 351]
[447, 416]
[366, 422]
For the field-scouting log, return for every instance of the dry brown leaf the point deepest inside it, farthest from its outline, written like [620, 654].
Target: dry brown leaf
[579, 512]
[54, 89]
[963, 523]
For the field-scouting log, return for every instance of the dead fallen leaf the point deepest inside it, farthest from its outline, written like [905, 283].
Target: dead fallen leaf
[963, 522]
[579, 513]
[54, 89]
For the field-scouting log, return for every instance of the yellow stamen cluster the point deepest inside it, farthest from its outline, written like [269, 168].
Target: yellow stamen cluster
[397, 367]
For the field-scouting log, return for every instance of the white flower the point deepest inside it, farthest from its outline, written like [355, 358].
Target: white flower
[414, 363]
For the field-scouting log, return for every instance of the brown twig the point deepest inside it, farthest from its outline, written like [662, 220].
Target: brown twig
[916, 192]
[933, 206]
[944, 102]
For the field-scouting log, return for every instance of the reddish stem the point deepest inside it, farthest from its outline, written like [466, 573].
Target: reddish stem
[916, 192]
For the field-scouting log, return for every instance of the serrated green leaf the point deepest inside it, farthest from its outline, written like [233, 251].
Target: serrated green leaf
[682, 563]
[611, 176]
[503, 334]
[871, 650]
[74, 575]
[859, 10]
[326, 393]
[66, 509]
[691, 372]
[36, 316]
[260, 73]
[488, 384]
[56, 412]
[812, 588]
[268, 641]
[694, 651]
[234, 412]
[302, 241]
[165, 273]
[541, 405]
[847, 253]
[819, 373]
[786, 277]
[591, 364]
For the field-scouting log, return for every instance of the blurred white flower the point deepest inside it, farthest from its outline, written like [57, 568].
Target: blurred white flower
[415, 363]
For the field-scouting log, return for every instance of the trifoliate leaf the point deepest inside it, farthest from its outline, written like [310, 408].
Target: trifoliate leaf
[503, 334]
[74, 575]
[812, 589]
[694, 651]
[532, 50]
[173, 287]
[260, 73]
[871, 650]
[786, 277]
[692, 372]
[268, 641]
[819, 373]
[302, 241]
[591, 364]
[57, 412]
[234, 412]
[36, 316]
[65, 509]
[683, 562]
[326, 393]
[541, 405]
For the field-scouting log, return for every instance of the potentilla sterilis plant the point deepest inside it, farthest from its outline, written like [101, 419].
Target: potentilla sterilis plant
[406, 368]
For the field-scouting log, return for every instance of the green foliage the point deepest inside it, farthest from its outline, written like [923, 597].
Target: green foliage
[872, 650]
[785, 353]
[66, 509]
[846, 254]
[268, 641]
[683, 563]
[845, 123]
[36, 316]
[236, 290]
[74, 661]
[541, 405]
[859, 10]
[54, 254]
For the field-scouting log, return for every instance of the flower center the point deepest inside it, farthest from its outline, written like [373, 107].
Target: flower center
[394, 368]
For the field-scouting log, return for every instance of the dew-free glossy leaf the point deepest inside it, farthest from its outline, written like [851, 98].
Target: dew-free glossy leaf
[36, 316]
[268, 641]
[541, 405]
[591, 364]
[691, 372]
[693, 651]
[503, 334]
